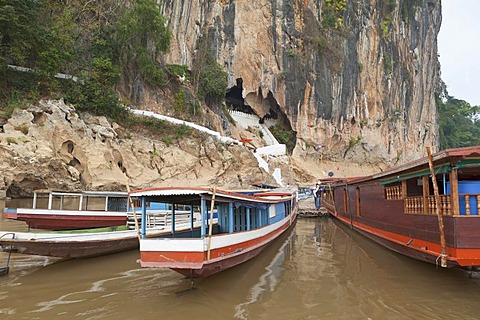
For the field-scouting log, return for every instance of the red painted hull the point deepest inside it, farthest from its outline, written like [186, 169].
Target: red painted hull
[415, 252]
[195, 264]
[67, 222]
[211, 268]
[73, 246]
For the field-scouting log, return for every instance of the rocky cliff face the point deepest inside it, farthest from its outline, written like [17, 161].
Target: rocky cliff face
[356, 76]
[50, 146]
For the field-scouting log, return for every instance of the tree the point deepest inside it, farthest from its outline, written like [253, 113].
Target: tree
[213, 83]
[459, 123]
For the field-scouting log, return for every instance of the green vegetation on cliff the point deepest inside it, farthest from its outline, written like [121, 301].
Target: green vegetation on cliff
[98, 42]
[103, 47]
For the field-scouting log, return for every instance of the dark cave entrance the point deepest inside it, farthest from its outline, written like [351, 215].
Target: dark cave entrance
[267, 109]
[235, 100]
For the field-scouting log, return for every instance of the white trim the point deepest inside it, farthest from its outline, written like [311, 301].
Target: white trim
[218, 241]
[5, 236]
[180, 245]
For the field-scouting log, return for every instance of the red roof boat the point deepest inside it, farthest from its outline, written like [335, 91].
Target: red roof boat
[246, 223]
[401, 209]
[73, 210]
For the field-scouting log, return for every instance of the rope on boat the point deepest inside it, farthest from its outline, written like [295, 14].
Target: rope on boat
[442, 256]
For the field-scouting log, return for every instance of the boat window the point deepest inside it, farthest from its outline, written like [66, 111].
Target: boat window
[414, 187]
[272, 211]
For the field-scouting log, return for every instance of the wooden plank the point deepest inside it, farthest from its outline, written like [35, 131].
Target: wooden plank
[454, 192]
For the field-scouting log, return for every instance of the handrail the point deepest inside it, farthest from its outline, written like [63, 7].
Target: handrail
[7, 233]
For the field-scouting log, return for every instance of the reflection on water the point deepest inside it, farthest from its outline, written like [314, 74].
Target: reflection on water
[268, 280]
[320, 270]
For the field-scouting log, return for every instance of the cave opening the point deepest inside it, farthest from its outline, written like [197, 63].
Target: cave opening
[266, 108]
[235, 100]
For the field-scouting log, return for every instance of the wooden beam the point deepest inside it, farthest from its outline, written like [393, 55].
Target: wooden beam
[426, 193]
[454, 196]
[438, 208]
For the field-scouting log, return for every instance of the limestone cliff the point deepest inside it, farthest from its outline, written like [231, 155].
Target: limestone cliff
[356, 76]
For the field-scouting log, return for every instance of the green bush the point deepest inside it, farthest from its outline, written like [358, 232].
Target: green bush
[92, 40]
[180, 101]
[178, 70]
[213, 82]
[287, 137]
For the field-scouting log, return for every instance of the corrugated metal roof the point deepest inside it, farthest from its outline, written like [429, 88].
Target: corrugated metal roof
[168, 192]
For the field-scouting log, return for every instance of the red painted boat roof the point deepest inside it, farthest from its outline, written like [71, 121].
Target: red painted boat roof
[265, 196]
[446, 156]
[443, 156]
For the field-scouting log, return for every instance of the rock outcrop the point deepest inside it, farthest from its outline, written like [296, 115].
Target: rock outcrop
[51, 146]
[357, 77]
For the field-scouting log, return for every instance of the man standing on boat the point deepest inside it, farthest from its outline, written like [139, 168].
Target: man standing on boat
[317, 195]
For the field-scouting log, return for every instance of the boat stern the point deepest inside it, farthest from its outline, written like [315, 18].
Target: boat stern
[172, 253]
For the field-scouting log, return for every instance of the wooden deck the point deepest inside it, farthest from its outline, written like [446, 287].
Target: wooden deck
[306, 209]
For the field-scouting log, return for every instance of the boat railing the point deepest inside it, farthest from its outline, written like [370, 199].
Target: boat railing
[469, 204]
[428, 205]
[393, 193]
[164, 218]
[161, 218]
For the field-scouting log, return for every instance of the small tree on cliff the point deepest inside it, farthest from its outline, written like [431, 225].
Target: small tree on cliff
[208, 76]
[213, 84]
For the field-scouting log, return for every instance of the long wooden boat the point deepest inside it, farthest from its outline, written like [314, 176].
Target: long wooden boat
[400, 209]
[84, 244]
[73, 210]
[248, 221]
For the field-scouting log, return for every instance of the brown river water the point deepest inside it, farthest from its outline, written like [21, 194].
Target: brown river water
[320, 270]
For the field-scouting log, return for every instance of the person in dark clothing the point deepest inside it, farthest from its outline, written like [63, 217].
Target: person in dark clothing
[317, 195]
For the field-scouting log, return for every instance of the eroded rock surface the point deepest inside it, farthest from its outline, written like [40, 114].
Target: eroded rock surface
[49, 146]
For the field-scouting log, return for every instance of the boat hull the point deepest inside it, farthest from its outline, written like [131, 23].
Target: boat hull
[70, 249]
[395, 244]
[66, 220]
[80, 245]
[195, 264]
[224, 264]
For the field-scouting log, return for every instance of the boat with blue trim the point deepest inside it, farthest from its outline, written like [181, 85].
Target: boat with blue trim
[235, 226]
[428, 209]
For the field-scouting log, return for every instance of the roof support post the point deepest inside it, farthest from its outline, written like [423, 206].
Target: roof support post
[191, 221]
[230, 217]
[144, 219]
[454, 196]
[173, 220]
[203, 209]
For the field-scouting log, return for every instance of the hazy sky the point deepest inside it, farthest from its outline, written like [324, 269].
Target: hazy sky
[459, 49]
